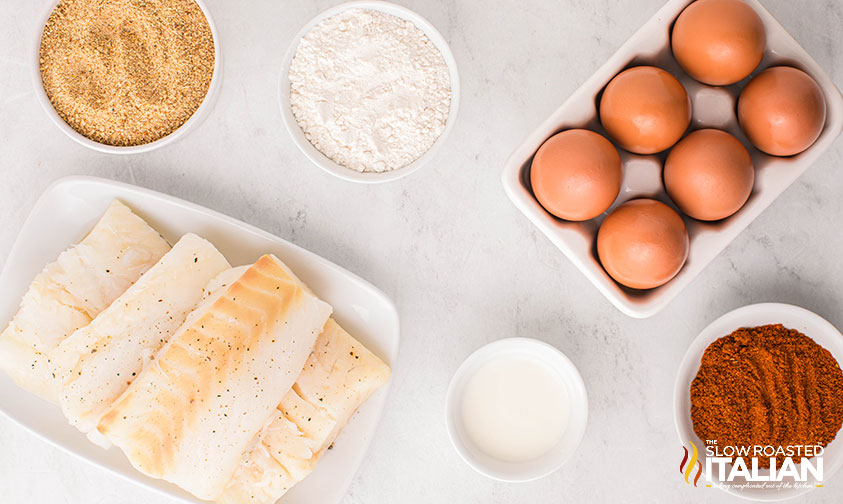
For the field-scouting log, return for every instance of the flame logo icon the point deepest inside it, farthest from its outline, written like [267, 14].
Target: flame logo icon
[687, 466]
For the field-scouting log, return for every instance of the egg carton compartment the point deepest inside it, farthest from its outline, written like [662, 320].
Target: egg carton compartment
[712, 107]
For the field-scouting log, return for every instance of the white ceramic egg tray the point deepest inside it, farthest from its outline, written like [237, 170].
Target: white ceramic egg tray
[713, 107]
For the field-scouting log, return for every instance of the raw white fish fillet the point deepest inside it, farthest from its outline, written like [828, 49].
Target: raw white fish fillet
[98, 362]
[338, 377]
[191, 414]
[71, 291]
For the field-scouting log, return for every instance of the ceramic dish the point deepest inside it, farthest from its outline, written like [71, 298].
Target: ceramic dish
[312, 152]
[71, 206]
[713, 107]
[567, 374]
[792, 317]
[189, 125]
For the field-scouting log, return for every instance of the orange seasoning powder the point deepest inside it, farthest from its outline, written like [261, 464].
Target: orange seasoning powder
[767, 386]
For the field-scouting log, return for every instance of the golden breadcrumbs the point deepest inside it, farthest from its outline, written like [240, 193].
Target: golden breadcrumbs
[126, 72]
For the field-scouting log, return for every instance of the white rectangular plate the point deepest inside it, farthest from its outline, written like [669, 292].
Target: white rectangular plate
[713, 108]
[70, 208]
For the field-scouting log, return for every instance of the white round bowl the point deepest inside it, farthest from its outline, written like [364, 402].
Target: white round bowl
[792, 317]
[323, 161]
[189, 125]
[567, 374]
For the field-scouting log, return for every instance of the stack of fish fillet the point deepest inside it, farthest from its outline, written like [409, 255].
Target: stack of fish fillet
[229, 382]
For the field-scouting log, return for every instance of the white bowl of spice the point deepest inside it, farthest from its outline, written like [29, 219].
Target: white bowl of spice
[761, 382]
[123, 77]
[369, 91]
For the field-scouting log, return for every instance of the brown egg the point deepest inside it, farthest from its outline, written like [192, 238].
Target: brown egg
[643, 244]
[709, 174]
[718, 42]
[782, 111]
[576, 174]
[645, 109]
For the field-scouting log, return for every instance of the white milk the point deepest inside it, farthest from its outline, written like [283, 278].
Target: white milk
[515, 409]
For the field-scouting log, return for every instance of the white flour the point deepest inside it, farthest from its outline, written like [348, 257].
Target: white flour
[369, 90]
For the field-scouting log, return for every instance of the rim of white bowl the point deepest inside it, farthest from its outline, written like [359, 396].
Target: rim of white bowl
[793, 317]
[192, 122]
[321, 160]
[551, 461]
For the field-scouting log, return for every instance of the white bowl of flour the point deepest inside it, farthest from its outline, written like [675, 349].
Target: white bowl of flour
[369, 91]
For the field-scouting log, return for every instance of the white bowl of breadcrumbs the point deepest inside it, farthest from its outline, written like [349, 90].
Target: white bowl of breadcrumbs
[123, 77]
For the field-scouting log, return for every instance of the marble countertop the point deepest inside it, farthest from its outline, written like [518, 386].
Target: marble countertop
[462, 264]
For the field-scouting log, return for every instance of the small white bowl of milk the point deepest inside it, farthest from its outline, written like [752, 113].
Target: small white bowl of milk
[516, 409]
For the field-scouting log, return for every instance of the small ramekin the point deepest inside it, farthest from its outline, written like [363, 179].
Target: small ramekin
[321, 160]
[531, 470]
[189, 125]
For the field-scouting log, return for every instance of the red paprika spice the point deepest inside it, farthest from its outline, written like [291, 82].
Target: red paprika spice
[767, 386]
